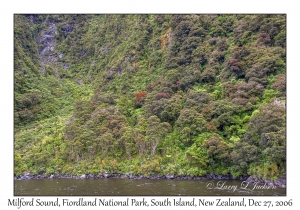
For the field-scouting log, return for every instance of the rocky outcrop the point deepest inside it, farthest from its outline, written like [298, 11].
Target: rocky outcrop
[280, 182]
[46, 40]
[47, 54]
[168, 176]
[106, 175]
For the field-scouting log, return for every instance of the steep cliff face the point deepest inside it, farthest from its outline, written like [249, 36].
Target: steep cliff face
[47, 40]
[170, 94]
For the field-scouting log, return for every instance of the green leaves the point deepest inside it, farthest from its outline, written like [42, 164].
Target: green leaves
[189, 94]
[190, 123]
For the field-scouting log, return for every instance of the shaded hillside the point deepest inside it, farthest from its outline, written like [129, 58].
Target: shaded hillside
[150, 94]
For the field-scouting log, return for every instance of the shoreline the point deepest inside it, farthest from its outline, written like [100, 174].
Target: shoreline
[280, 182]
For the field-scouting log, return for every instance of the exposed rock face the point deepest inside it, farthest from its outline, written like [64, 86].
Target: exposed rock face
[106, 175]
[280, 182]
[168, 176]
[47, 54]
[279, 103]
[25, 176]
[47, 39]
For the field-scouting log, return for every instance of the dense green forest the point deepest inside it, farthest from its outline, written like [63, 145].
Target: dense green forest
[150, 94]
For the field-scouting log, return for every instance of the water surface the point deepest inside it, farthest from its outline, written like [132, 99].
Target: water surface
[145, 187]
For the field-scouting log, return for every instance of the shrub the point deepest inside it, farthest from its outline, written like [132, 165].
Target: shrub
[161, 95]
[139, 95]
[280, 83]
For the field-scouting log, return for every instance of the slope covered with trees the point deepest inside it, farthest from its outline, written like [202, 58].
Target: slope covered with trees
[150, 94]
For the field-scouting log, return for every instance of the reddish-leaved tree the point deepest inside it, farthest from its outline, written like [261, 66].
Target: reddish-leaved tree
[140, 95]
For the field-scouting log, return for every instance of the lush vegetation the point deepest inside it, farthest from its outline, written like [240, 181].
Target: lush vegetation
[150, 94]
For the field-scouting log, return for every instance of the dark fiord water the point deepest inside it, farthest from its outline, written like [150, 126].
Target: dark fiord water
[144, 187]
